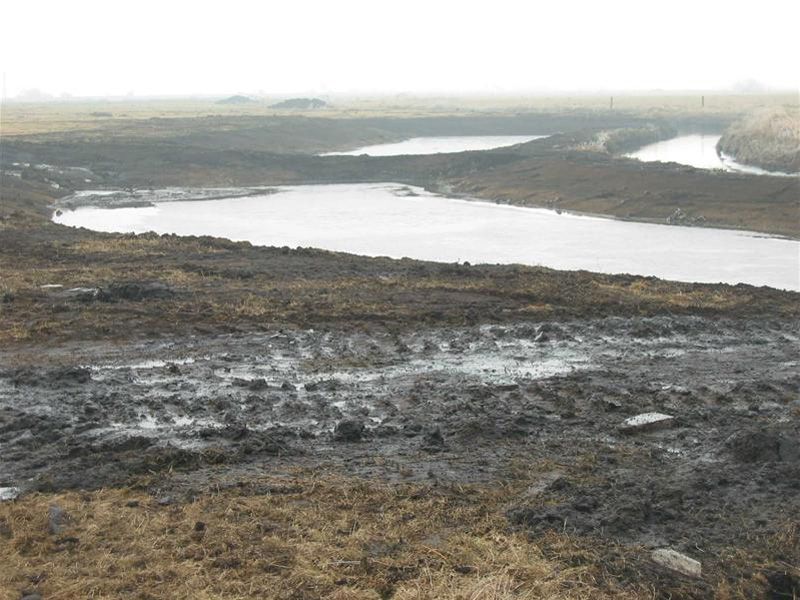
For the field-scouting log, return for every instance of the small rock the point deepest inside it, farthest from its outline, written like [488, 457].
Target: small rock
[256, 385]
[349, 430]
[31, 596]
[57, 517]
[132, 503]
[646, 422]
[675, 561]
[433, 441]
[164, 501]
[547, 481]
[82, 294]
[199, 526]
[541, 337]
[8, 493]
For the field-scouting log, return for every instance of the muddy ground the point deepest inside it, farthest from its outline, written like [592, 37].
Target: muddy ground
[542, 402]
[183, 367]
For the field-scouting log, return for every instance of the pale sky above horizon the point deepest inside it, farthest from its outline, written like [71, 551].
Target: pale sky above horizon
[92, 48]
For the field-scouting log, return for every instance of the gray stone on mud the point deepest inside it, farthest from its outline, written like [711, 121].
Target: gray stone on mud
[675, 561]
[646, 422]
[57, 518]
[348, 430]
[8, 493]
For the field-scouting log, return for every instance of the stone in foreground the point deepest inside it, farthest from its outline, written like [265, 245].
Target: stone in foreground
[646, 422]
[675, 561]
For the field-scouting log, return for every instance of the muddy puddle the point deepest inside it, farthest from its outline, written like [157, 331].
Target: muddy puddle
[287, 391]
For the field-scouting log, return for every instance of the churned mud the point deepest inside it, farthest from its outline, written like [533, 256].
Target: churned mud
[462, 405]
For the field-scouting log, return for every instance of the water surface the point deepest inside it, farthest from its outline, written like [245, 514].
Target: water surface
[697, 150]
[400, 221]
[439, 145]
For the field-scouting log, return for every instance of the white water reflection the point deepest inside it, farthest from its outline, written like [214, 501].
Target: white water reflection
[697, 150]
[440, 145]
[400, 221]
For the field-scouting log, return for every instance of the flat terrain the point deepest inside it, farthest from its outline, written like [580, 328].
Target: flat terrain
[197, 418]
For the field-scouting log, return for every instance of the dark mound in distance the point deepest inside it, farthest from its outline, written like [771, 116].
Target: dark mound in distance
[238, 99]
[301, 104]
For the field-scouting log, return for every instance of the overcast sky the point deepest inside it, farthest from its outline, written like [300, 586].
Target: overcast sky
[93, 48]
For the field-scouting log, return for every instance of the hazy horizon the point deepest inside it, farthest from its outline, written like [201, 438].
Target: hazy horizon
[354, 48]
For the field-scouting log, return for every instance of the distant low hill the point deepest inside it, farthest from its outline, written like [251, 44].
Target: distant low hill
[236, 100]
[301, 104]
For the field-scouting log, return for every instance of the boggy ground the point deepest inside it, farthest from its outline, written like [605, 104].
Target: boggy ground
[514, 428]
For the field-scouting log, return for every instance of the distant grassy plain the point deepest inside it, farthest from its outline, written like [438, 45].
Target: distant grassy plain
[47, 117]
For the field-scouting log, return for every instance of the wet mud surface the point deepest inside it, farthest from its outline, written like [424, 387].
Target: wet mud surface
[460, 405]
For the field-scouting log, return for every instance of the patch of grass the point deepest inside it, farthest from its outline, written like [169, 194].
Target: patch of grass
[769, 137]
[325, 538]
[315, 535]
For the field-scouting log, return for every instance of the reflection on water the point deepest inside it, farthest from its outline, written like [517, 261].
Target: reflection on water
[696, 150]
[439, 145]
[397, 221]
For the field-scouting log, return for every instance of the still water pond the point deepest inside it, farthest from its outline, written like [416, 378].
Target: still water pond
[439, 145]
[697, 150]
[400, 221]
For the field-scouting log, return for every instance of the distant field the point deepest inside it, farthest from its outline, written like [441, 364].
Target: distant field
[33, 118]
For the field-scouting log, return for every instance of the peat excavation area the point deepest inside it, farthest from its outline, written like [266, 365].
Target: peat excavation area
[189, 413]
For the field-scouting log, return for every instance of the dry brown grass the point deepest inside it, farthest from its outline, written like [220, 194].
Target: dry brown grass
[768, 137]
[298, 538]
[211, 293]
[142, 246]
